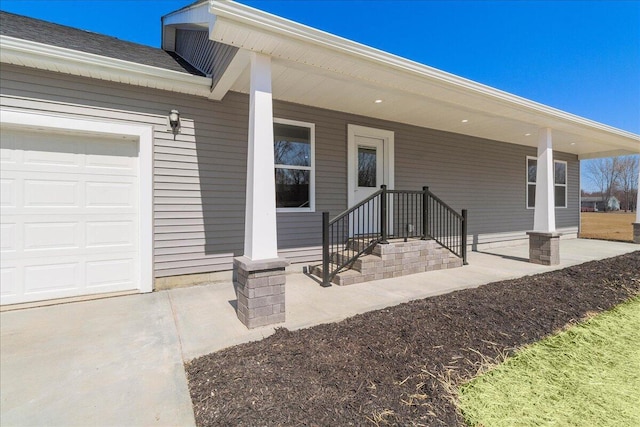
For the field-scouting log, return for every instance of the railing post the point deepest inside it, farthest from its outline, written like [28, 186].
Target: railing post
[383, 215]
[325, 250]
[425, 215]
[464, 237]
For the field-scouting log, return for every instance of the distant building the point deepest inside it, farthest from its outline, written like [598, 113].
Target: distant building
[596, 204]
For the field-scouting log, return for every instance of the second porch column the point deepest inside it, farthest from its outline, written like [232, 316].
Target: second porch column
[260, 239]
[636, 225]
[544, 241]
[259, 273]
[544, 217]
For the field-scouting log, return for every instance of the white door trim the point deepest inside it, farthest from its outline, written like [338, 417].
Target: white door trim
[388, 152]
[141, 133]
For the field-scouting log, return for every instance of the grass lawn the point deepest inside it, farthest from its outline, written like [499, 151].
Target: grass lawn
[588, 375]
[607, 225]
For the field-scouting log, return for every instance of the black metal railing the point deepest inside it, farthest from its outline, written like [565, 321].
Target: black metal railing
[389, 214]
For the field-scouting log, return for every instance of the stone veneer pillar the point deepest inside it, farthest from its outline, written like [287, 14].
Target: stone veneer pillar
[544, 248]
[260, 291]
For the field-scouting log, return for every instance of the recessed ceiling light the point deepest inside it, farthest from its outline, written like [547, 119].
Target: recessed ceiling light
[378, 101]
[527, 134]
[573, 143]
[465, 121]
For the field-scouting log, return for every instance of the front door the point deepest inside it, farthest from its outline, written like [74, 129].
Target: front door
[370, 165]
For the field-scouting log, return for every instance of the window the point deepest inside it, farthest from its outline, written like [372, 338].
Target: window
[532, 165]
[367, 167]
[559, 181]
[293, 149]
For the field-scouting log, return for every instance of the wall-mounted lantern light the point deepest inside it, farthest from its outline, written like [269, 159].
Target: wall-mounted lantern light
[174, 122]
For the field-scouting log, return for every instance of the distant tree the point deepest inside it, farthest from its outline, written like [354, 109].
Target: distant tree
[628, 180]
[604, 174]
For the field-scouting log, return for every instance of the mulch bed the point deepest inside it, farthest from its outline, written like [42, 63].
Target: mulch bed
[397, 366]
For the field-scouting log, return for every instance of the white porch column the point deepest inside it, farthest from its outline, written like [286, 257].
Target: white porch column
[260, 239]
[638, 199]
[544, 219]
[636, 225]
[259, 275]
[544, 241]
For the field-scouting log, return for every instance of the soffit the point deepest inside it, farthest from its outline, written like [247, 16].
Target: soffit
[314, 72]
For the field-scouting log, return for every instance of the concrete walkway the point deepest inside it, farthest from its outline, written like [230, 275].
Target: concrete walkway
[119, 361]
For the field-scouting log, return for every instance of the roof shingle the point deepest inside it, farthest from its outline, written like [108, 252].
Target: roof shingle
[36, 30]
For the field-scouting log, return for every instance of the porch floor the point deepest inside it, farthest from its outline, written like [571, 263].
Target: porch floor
[206, 318]
[119, 361]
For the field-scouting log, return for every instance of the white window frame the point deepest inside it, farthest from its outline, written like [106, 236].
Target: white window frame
[527, 182]
[311, 168]
[565, 185]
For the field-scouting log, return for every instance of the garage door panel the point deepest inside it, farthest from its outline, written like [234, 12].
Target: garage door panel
[51, 277]
[102, 234]
[8, 281]
[52, 235]
[122, 156]
[109, 272]
[110, 194]
[52, 152]
[8, 237]
[36, 278]
[70, 216]
[58, 236]
[54, 193]
[8, 154]
[8, 192]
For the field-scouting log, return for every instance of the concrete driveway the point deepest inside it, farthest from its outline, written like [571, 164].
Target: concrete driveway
[109, 362]
[119, 361]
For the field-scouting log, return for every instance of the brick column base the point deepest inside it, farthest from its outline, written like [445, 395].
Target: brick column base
[260, 291]
[544, 248]
[636, 232]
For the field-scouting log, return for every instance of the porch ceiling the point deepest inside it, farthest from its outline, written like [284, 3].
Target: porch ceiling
[314, 68]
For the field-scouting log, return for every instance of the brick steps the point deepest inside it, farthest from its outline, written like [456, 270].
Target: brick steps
[396, 259]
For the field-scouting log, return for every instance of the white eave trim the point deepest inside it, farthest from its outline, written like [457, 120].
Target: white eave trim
[194, 13]
[43, 56]
[259, 20]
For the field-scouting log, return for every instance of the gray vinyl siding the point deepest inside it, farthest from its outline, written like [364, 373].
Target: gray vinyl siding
[199, 178]
[488, 178]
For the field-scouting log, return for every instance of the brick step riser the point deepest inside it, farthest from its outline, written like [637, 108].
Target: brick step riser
[394, 260]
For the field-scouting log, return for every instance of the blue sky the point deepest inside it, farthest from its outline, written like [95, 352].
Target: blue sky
[579, 56]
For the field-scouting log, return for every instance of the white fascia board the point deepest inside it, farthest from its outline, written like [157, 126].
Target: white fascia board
[259, 20]
[53, 58]
[611, 153]
[195, 14]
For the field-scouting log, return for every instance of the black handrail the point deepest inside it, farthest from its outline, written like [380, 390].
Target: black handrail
[389, 214]
[352, 233]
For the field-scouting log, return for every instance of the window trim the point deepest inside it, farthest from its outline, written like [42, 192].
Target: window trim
[311, 168]
[527, 182]
[565, 185]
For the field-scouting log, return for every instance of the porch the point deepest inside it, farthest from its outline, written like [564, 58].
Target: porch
[207, 321]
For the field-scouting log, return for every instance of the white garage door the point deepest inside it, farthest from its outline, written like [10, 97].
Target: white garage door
[70, 215]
